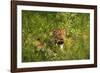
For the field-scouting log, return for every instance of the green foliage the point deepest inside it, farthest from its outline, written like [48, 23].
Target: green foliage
[39, 24]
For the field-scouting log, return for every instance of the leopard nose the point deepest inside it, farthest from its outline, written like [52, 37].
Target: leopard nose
[60, 42]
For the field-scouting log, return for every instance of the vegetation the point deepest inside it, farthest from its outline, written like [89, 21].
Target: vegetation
[39, 25]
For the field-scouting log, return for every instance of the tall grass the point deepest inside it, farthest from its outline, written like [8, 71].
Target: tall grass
[39, 24]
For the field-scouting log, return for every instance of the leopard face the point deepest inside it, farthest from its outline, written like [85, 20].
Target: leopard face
[59, 36]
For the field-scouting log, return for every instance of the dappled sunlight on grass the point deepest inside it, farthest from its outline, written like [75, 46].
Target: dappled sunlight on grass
[37, 41]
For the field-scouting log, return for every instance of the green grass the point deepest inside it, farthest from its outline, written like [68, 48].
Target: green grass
[39, 24]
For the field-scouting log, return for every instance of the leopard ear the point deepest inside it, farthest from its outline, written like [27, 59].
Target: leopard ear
[53, 30]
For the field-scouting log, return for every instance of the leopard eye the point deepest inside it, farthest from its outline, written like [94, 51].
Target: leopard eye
[38, 38]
